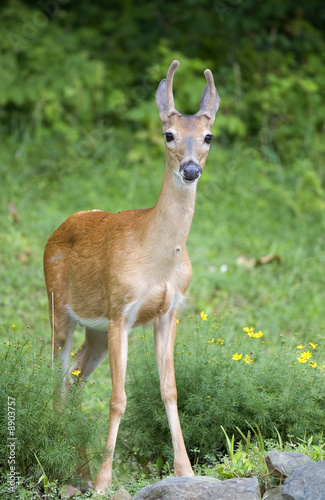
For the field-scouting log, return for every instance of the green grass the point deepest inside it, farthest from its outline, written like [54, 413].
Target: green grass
[241, 210]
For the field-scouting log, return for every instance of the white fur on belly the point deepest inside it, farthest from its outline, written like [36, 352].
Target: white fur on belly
[94, 323]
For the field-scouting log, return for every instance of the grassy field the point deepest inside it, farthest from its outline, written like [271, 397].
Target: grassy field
[246, 206]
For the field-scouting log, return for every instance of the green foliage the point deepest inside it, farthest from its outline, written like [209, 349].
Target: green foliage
[57, 89]
[45, 431]
[33, 77]
[241, 462]
[227, 380]
[311, 448]
[133, 483]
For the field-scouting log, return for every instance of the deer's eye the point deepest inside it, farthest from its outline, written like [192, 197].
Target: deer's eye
[169, 136]
[208, 138]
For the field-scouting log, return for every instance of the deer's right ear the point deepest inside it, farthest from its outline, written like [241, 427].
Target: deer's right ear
[161, 100]
[164, 95]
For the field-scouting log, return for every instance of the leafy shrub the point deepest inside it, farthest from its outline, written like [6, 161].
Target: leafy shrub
[35, 97]
[47, 431]
[227, 379]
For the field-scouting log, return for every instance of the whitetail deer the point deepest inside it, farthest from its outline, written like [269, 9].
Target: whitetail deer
[110, 272]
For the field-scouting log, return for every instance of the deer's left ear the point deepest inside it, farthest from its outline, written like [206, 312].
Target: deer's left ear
[206, 100]
[209, 102]
[205, 97]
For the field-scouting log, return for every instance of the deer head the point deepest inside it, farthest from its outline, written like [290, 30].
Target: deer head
[187, 137]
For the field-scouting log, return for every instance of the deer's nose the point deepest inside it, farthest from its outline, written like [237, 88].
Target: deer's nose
[190, 171]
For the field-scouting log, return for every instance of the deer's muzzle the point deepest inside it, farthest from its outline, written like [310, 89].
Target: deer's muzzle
[190, 171]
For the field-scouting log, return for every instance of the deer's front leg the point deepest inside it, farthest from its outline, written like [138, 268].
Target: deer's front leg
[117, 351]
[165, 334]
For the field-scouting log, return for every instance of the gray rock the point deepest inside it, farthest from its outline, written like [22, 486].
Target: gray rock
[180, 488]
[306, 482]
[273, 494]
[240, 488]
[121, 495]
[201, 488]
[280, 464]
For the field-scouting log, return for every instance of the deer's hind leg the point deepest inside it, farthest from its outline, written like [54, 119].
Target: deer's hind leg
[62, 328]
[92, 352]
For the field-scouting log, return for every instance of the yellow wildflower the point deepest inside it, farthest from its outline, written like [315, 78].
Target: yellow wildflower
[248, 359]
[76, 372]
[313, 365]
[313, 345]
[204, 316]
[306, 355]
[300, 346]
[211, 341]
[220, 341]
[237, 356]
[72, 354]
[250, 332]
[302, 360]
[255, 335]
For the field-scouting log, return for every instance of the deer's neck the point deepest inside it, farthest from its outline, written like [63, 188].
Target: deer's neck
[172, 215]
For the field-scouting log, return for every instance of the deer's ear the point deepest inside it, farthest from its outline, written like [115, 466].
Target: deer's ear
[161, 99]
[164, 95]
[205, 97]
